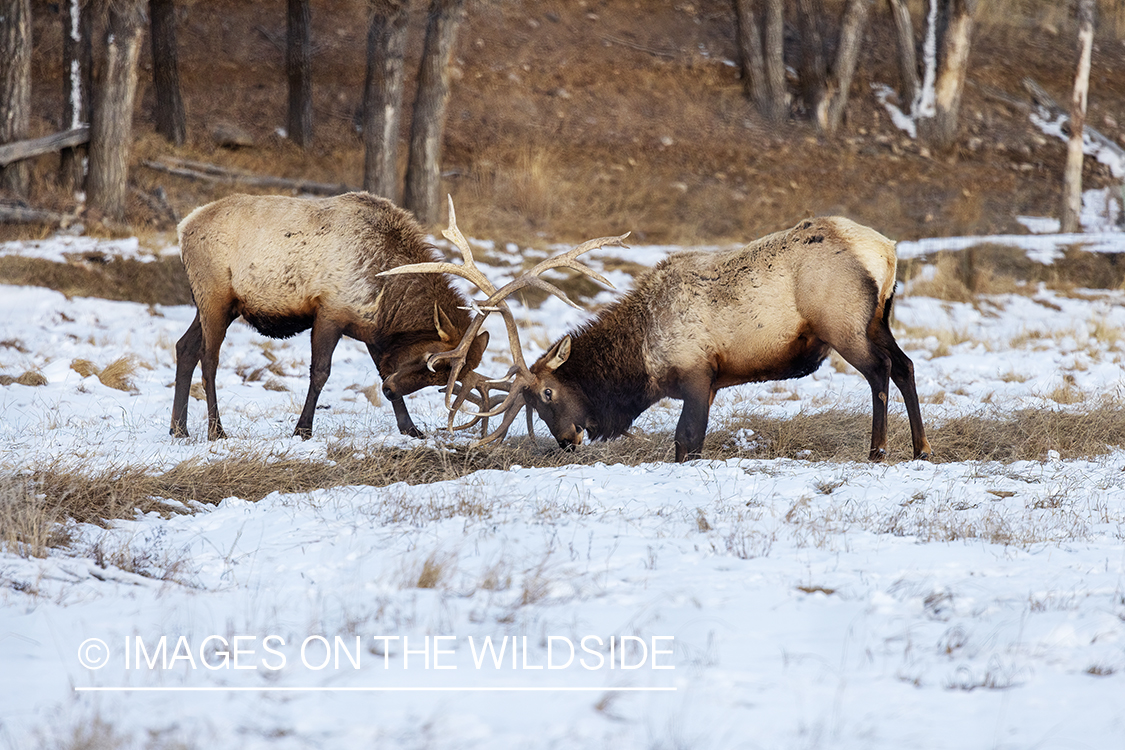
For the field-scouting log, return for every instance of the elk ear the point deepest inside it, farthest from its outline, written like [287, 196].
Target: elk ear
[443, 324]
[558, 354]
[476, 351]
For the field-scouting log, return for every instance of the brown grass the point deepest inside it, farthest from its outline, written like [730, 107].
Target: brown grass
[160, 281]
[50, 495]
[118, 374]
[28, 377]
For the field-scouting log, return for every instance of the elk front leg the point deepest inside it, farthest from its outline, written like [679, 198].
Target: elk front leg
[325, 336]
[402, 416]
[692, 427]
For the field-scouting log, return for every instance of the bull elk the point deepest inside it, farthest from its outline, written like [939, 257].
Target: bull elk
[289, 264]
[701, 321]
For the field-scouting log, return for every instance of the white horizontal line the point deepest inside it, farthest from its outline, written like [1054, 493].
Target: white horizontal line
[502, 689]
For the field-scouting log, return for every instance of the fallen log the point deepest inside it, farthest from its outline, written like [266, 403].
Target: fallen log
[205, 172]
[28, 215]
[11, 152]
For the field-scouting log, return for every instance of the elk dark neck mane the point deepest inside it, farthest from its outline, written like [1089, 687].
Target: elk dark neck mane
[607, 365]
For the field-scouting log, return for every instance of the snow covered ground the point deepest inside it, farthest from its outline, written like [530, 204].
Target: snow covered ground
[740, 603]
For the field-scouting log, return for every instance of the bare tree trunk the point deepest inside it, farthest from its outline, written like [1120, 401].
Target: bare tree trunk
[814, 70]
[169, 107]
[1072, 182]
[751, 60]
[831, 111]
[775, 60]
[423, 173]
[78, 65]
[298, 69]
[382, 96]
[15, 86]
[112, 129]
[907, 54]
[956, 43]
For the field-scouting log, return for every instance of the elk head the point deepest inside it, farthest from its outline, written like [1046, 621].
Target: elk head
[526, 387]
[413, 367]
[562, 408]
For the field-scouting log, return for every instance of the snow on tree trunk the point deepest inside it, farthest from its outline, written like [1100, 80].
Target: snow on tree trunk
[949, 30]
[423, 173]
[382, 97]
[111, 133]
[15, 87]
[168, 111]
[1072, 182]
[78, 64]
[298, 70]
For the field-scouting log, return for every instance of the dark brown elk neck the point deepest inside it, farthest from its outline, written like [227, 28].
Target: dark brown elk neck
[607, 365]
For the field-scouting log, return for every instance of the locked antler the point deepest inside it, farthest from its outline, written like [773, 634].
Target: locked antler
[519, 375]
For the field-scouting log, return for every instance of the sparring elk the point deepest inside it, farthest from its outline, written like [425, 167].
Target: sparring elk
[701, 321]
[289, 264]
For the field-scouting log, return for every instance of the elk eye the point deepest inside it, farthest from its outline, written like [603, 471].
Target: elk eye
[547, 395]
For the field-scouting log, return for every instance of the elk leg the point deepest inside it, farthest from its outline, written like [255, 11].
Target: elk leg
[692, 427]
[214, 331]
[902, 372]
[402, 416]
[325, 336]
[187, 357]
[875, 365]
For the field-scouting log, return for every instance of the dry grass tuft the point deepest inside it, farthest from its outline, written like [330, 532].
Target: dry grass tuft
[29, 377]
[30, 524]
[433, 569]
[117, 374]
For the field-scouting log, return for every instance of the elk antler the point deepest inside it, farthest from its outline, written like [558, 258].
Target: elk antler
[519, 374]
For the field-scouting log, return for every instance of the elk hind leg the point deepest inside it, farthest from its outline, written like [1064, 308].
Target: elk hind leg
[187, 357]
[875, 366]
[902, 372]
[214, 330]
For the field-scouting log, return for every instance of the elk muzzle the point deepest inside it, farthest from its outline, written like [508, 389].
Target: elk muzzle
[570, 437]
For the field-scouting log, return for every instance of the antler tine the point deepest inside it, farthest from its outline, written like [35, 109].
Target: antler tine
[468, 270]
[567, 260]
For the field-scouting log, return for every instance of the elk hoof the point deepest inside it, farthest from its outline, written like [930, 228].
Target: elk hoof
[877, 454]
[178, 432]
[412, 431]
[303, 432]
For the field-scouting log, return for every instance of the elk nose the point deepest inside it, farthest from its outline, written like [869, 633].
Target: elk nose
[389, 389]
[571, 439]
